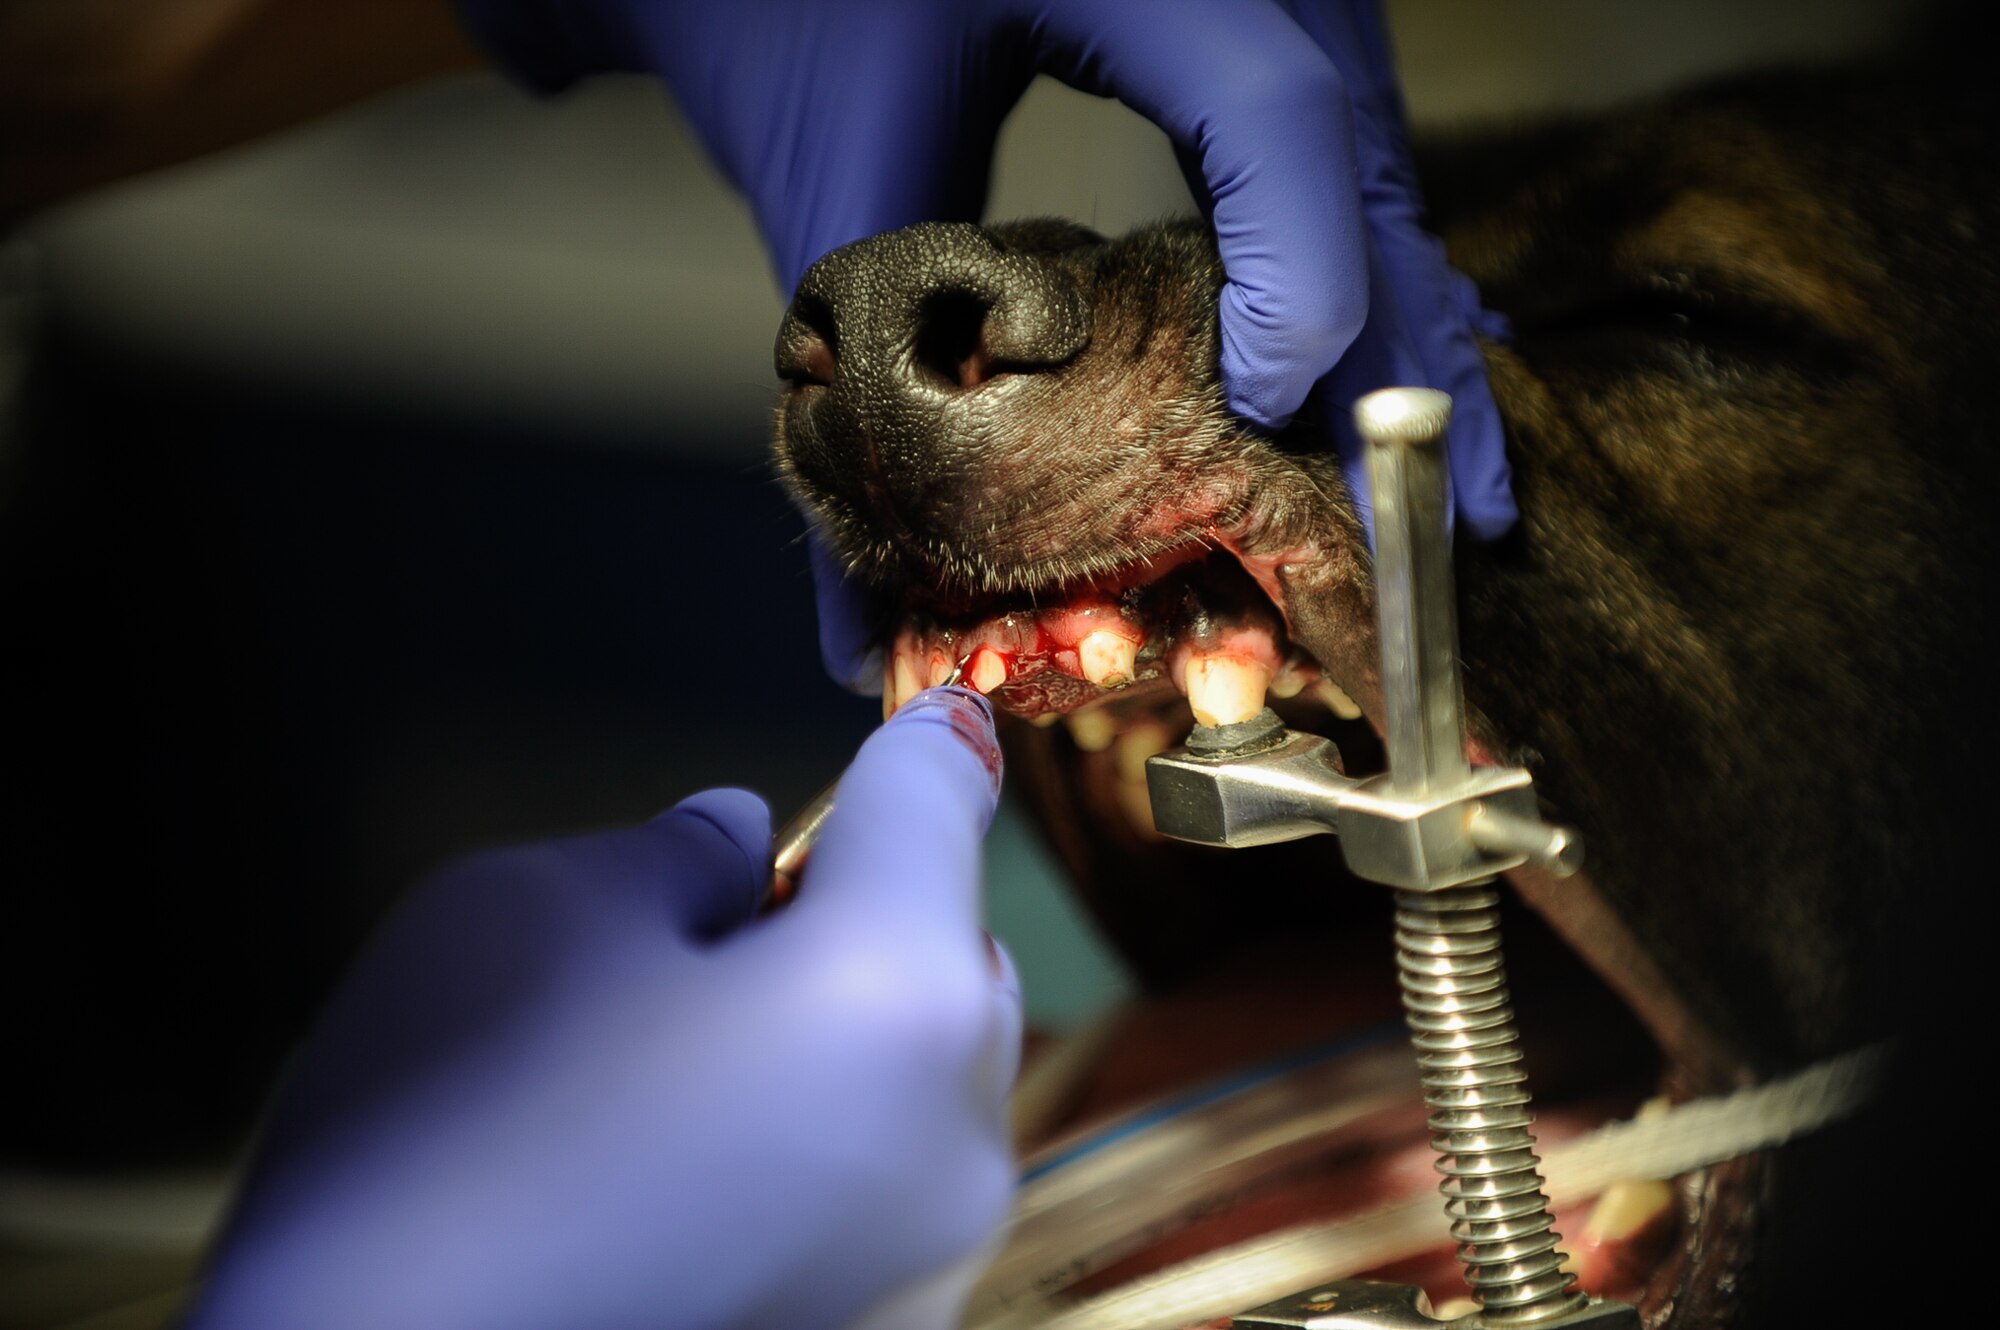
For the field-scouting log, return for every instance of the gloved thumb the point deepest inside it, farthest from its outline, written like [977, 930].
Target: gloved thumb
[722, 842]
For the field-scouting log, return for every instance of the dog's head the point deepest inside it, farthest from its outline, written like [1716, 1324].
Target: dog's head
[1734, 635]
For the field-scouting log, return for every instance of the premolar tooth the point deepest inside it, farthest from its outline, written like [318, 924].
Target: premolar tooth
[986, 671]
[1625, 1209]
[1224, 690]
[1092, 729]
[941, 668]
[1107, 659]
[1338, 702]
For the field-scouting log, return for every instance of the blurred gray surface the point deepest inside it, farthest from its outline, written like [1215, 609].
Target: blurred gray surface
[577, 261]
[569, 262]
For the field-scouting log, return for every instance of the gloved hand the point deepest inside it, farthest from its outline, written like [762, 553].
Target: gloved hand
[840, 120]
[569, 1085]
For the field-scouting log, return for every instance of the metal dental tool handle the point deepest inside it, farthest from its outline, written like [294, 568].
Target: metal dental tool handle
[1448, 955]
[1416, 608]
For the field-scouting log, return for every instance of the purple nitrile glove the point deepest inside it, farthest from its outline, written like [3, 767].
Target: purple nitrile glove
[843, 119]
[574, 1084]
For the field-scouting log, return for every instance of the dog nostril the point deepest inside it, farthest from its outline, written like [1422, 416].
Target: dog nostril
[806, 345]
[815, 363]
[950, 341]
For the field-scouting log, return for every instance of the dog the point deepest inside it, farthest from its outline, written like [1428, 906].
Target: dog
[1736, 635]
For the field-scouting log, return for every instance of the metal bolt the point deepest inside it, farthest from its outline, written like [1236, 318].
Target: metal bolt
[1448, 956]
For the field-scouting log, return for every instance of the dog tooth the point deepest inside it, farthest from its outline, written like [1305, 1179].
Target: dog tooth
[1092, 728]
[987, 670]
[1338, 702]
[1106, 658]
[1128, 757]
[1223, 690]
[1453, 1308]
[1288, 683]
[1135, 744]
[1625, 1208]
[941, 668]
[1045, 719]
[905, 683]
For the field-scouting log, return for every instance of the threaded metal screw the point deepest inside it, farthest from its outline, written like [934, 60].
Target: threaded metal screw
[1455, 1000]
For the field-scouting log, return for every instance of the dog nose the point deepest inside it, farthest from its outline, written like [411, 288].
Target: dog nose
[927, 312]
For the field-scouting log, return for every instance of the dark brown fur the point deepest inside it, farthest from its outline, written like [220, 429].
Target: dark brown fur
[1738, 634]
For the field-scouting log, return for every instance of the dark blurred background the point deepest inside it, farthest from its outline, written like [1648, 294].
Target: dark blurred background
[397, 485]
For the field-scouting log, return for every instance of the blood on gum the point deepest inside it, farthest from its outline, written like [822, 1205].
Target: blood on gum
[1035, 657]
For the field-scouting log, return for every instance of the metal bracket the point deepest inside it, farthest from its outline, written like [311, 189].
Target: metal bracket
[1428, 841]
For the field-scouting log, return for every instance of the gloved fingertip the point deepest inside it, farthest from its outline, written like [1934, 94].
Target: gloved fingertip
[967, 715]
[1490, 323]
[1261, 384]
[1254, 410]
[950, 699]
[740, 815]
[1489, 526]
[1006, 975]
[743, 820]
[1488, 515]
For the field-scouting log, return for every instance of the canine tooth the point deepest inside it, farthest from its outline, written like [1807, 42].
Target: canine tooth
[987, 670]
[941, 668]
[1044, 719]
[1338, 702]
[1288, 683]
[1106, 658]
[1128, 757]
[1625, 1209]
[1453, 1308]
[904, 683]
[1223, 690]
[1092, 729]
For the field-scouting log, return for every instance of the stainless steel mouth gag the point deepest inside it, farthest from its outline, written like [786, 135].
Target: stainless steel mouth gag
[1438, 829]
